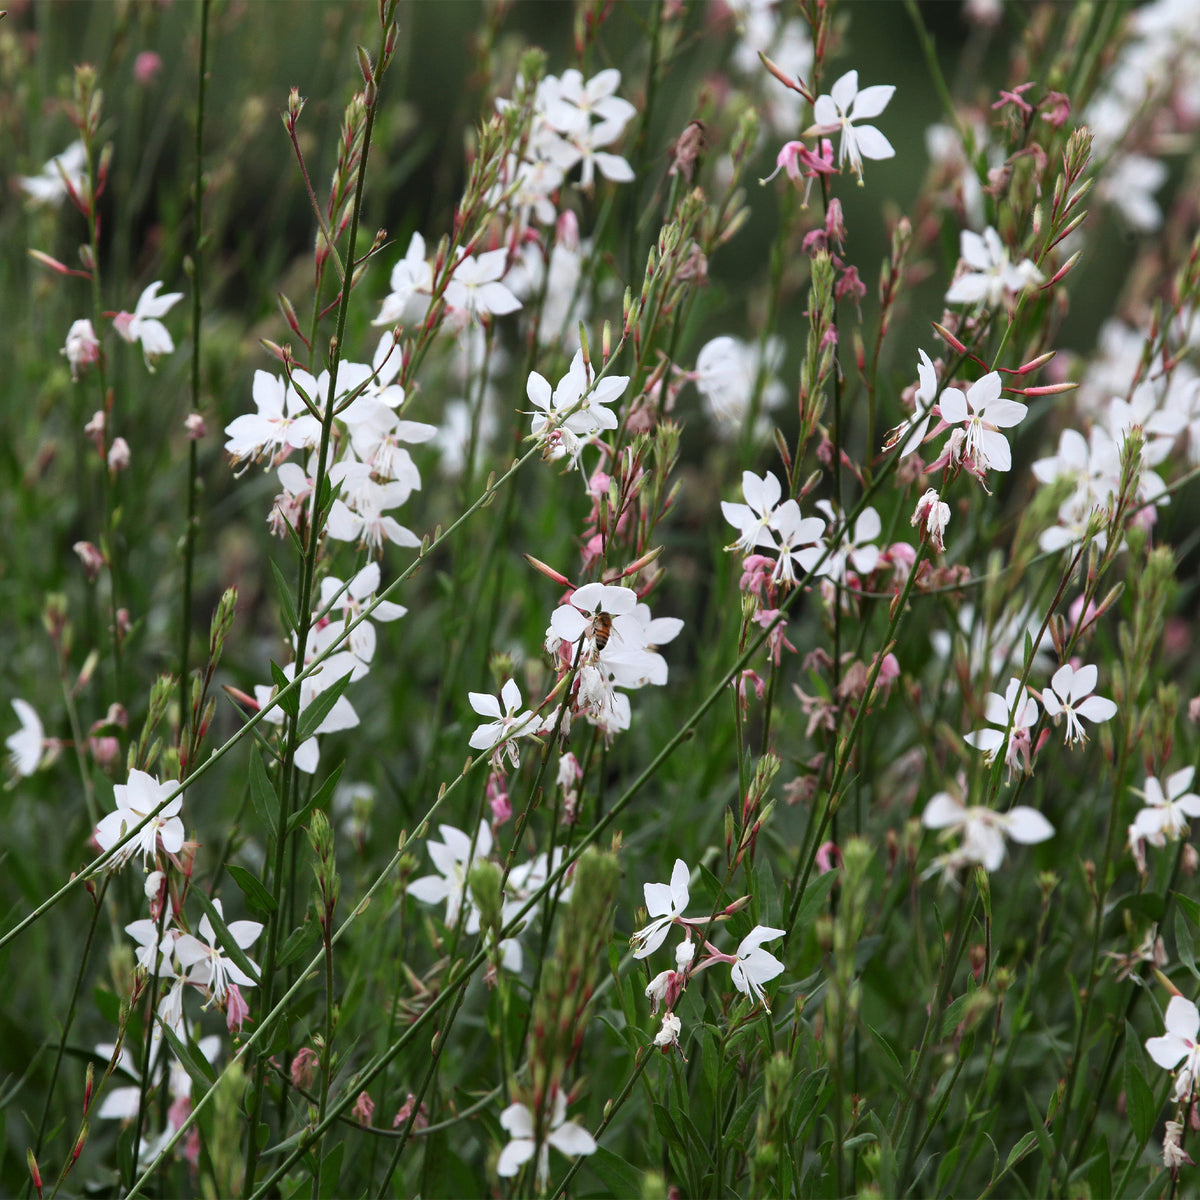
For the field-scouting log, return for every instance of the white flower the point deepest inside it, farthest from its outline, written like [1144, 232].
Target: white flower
[1015, 711]
[475, 288]
[569, 417]
[992, 275]
[932, 514]
[66, 169]
[1179, 1046]
[982, 830]
[913, 430]
[348, 606]
[982, 412]
[452, 856]
[664, 902]
[282, 421]
[844, 105]
[801, 543]
[1165, 817]
[726, 374]
[753, 518]
[507, 724]
[204, 962]
[1070, 692]
[565, 1136]
[82, 347]
[853, 550]
[25, 746]
[142, 325]
[136, 800]
[756, 966]
[668, 1035]
[411, 281]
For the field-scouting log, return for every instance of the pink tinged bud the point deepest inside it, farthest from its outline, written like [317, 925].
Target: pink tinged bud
[889, 671]
[82, 348]
[196, 429]
[104, 750]
[92, 559]
[835, 224]
[566, 230]
[304, 1068]
[118, 455]
[123, 622]
[95, 430]
[123, 323]
[828, 857]
[364, 1109]
[498, 801]
[146, 67]
[236, 1009]
[948, 338]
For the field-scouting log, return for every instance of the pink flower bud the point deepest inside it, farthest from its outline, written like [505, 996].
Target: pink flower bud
[92, 559]
[95, 430]
[364, 1109]
[146, 67]
[82, 348]
[236, 1009]
[118, 455]
[196, 429]
[304, 1068]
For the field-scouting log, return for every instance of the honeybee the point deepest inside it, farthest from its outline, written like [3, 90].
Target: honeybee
[601, 629]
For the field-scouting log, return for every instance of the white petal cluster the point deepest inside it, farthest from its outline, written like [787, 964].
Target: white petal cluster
[64, 172]
[981, 831]
[728, 372]
[611, 641]
[142, 325]
[843, 110]
[453, 857]
[565, 1136]
[567, 417]
[987, 274]
[763, 522]
[1167, 810]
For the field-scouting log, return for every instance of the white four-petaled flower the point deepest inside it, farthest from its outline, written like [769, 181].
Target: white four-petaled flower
[1179, 1046]
[142, 325]
[507, 723]
[845, 105]
[136, 800]
[664, 902]
[756, 966]
[982, 830]
[1070, 693]
[982, 412]
[565, 1136]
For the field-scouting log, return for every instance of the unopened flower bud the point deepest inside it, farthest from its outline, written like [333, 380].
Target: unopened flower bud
[118, 455]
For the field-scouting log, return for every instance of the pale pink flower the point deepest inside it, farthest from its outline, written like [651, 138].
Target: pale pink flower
[82, 348]
[982, 413]
[1179, 1046]
[142, 325]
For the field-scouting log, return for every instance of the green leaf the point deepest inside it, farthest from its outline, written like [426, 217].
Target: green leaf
[320, 708]
[298, 941]
[1098, 1171]
[1139, 1101]
[815, 896]
[291, 702]
[224, 938]
[667, 1127]
[620, 1178]
[1018, 1152]
[257, 896]
[196, 1065]
[262, 794]
[1185, 946]
[320, 800]
[331, 1171]
[287, 608]
[888, 1061]
[1189, 906]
